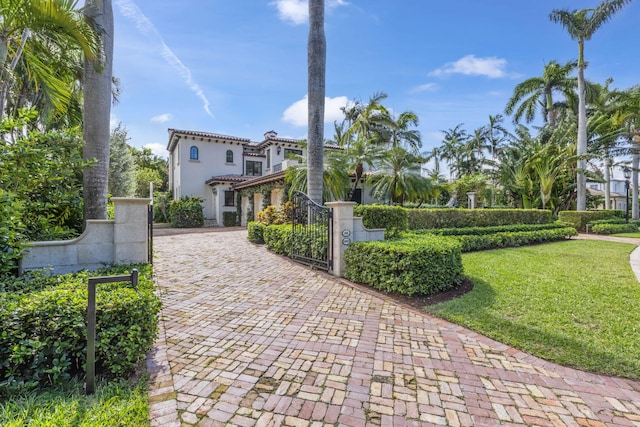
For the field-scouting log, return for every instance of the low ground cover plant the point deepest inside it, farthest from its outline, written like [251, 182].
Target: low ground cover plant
[43, 329]
[555, 302]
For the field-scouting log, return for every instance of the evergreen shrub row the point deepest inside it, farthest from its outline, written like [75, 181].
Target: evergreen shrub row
[460, 218]
[255, 232]
[419, 266]
[480, 242]
[488, 230]
[614, 228]
[393, 219]
[313, 243]
[580, 219]
[229, 219]
[43, 337]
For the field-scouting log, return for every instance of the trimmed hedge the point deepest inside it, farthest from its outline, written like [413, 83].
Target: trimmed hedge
[472, 243]
[229, 219]
[279, 238]
[43, 326]
[392, 218]
[255, 232]
[614, 228]
[12, 239]
[459, 218]
[580, 219]
[488, 230]
[186, 212]
[420, 266]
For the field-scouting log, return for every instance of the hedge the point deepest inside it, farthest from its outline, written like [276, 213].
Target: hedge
[614, 228]
[255, 232]
[43, 326]
[392, 218]
[488, 230]
[421, 266]
[472, 243]
[580, 219]
[458, 218]
[279, 238]
[229, 219]
[186, 212]
[12, 239]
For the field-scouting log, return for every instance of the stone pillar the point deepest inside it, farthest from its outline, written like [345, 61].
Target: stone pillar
[471, 199]
[130, 232]
[347, 229]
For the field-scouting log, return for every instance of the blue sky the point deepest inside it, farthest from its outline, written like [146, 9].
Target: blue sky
[240, 67]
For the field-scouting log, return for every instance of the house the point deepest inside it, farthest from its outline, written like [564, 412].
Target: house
[617, 193]
[231, 174]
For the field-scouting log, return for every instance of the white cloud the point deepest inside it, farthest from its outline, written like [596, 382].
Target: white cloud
[162, 118]
[297, 114]
[427, 87]
[130, 10]
[469, 65]
[297, 11]
[158, 149]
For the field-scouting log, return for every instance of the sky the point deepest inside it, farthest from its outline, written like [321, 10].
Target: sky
[240, 67]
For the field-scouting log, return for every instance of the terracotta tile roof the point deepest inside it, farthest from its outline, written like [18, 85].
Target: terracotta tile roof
[253, 181]
[226, 179]
[173, 133]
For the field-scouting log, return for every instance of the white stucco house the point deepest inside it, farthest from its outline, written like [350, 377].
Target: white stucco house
[226, 170]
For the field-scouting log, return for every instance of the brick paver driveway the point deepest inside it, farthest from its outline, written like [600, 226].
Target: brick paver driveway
[254, 339]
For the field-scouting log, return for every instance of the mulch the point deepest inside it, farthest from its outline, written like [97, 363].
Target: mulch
[419, 302]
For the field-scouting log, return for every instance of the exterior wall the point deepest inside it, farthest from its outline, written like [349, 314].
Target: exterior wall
[121, 241]
[189, 176]
[218, 196]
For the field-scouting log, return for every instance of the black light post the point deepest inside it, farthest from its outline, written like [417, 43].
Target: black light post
[627, 175]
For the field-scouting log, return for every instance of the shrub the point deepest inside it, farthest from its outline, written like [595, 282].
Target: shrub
[459, 218]
[186, 212]
[229, 219]
[409, 266]
[255, 232]
[393, 219]
[12, 241]
[488, 230]
[580, 219]
[613, 228]
[472, 243]
[161, 202]
[311, 243]
[277, 238]
[43, 332]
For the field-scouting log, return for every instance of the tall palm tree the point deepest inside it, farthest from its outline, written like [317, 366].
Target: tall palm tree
[28, 30]
[581, 25]
[496, 136]
[537, 92]
[401, 131]
[399, 178]
[451, 149]
[317, 58]
[97, 110]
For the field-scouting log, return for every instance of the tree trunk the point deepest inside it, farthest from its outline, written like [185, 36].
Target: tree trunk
[607, 182]
[635, 163]
[316, 54]
[97, 112]
[581, 180]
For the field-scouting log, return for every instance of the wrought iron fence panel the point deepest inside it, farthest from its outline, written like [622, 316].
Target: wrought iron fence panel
[312, 228]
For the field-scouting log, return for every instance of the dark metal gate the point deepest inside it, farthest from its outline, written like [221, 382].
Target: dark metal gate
[312, 228]
[150, 234]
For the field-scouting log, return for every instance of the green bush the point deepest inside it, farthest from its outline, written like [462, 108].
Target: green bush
[43, 326]
[615, 220]
[613, 228]
[459, 218]
[580, 219]
[487, 230]
[312, 242]
[472, 243]
[161, 202]
[186, 212]
[255, 232]
[229, 219]
[393, 219]
[419, 266]
[277, 238]
[12, 240]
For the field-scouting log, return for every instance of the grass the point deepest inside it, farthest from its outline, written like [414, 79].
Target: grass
[576, 303]
[633, 235]
[115, 403]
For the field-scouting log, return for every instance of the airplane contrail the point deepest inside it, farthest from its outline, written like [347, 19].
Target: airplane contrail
[130, 10]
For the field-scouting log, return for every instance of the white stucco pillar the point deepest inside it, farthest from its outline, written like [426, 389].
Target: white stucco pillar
[130, 231]
[342, 234]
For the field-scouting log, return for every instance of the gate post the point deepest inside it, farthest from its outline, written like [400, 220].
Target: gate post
[347, 229]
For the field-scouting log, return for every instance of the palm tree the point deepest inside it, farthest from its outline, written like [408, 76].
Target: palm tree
[97, 111]
[335, 175]
[399, 178]
[402, 134]
[537, 92]
[581, 25]
[496, 136]
[32, 36]
[317, 57]
[451, 149]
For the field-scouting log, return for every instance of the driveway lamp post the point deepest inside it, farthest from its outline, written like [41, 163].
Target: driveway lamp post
[627, 175]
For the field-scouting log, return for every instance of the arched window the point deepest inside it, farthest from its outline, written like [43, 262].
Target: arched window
[229, 156]
[193, 153]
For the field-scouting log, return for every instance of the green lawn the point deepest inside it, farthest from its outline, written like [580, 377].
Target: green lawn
[633, 235]
[576, 303]
[117, 403]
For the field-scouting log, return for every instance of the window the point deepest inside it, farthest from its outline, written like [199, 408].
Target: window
[253, 168]
[193, 153]
[289, 151]
[268, 158]
[229, 198]
[229, 156]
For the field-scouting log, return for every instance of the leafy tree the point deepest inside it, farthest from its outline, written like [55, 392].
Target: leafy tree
[122, 170]
[399, 179]
[317, 57]
[149, 168]
[581, 26]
